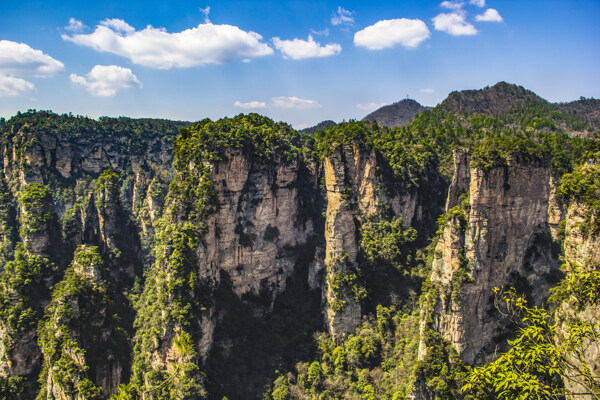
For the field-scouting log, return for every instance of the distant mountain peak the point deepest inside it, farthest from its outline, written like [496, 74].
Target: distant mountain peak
[397, 114]
[321, 126]
[490, 100]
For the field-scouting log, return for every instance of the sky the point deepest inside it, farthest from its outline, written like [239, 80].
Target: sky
[300, 62]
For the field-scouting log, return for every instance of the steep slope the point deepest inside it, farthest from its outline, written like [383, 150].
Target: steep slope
[397, 114]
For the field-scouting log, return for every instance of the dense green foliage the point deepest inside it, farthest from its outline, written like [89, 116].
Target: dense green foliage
[254, 134]
[546, 351]
[583, 186]
[22, 291]
[137, 131]
[8, 216]
[170, 302]
[72, 336]
[36, 201]
[375, 363]
[386, 241]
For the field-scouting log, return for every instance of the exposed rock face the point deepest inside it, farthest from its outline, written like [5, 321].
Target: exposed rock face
[352, 183]
[19, 355]
[506, 242]
[45, 154]
[260, 225]
[461, 180]
[341, 232]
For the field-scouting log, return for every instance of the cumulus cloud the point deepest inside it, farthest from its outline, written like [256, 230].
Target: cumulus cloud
[370, 106]
[11, 86]
[298, 49]
[250, 104]
[106, 80]
[387, 33]
[490, 15]
[452, 5]
[478, 3]
[294, 102]
[427, 90]
[20, 59]
[156, 48]
[342, 17]
[454, 24]
[74, 25]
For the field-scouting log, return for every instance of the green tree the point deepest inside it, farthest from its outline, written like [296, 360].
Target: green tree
[545, 352]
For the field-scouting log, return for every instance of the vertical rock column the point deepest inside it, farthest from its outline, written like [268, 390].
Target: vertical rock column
[506, 242]
[351, 195]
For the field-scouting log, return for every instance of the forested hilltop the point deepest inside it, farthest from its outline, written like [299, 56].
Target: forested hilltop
[456, 256]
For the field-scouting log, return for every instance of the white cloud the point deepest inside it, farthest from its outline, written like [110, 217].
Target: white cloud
[156, 48]
[478, 3]
[298, 49]
[370, 106]
[74, 25]
[452, 5]
[11, 86]
[342, 16]
[20, 59]
[250, 104]
[454, 24]
[117, 25]
[490, 15]
[387, 33]
[427, 90]
[106, 80]
[294, 102]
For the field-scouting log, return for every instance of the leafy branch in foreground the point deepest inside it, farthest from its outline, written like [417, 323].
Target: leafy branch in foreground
[545, 355]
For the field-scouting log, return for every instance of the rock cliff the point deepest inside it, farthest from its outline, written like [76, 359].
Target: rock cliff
[499, 235]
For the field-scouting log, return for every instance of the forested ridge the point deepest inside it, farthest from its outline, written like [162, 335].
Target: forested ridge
[241, 259]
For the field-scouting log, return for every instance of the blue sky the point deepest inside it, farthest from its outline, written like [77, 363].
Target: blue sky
[299, 62]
